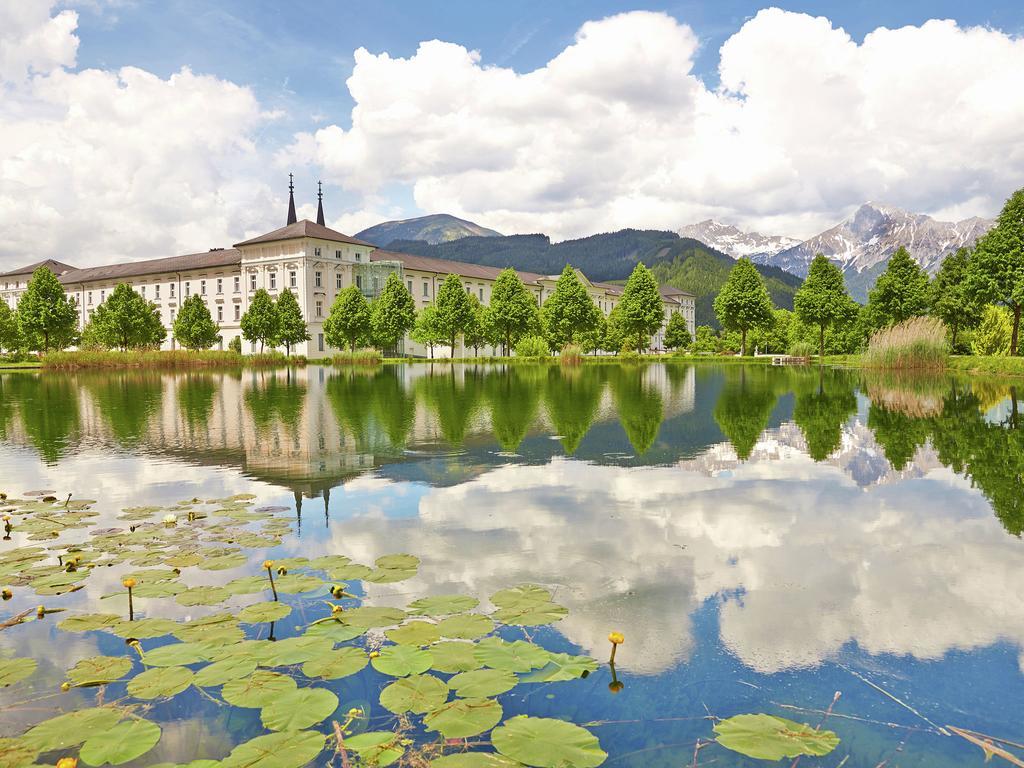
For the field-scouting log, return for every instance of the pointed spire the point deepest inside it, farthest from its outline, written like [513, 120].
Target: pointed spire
[320, 205]
[291, 201]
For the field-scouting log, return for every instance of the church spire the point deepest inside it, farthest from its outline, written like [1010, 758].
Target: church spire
[320, 205]
[291, 201]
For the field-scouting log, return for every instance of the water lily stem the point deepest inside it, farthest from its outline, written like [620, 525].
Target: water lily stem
[270, 575]
[131, 606]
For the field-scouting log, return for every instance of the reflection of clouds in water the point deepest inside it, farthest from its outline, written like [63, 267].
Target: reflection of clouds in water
[802, 559]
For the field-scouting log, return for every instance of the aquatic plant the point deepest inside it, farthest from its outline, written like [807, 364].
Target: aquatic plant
[918, 343]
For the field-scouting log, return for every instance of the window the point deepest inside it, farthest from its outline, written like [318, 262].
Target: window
[359, 256]
[320, 341]
[103, 296]
[426, 288]
[337, 279]
[252, 282]
[337, 254]
[172, 290]
[220, 285]
[172, 315]
[202, 287]
[319, 309]
[409, 285]
[359, 282]
[293, 278]
[273, 281]
[238, 311]
[237, 286]
[481, 293]
[142, 291]
[375, 285]
[156, 290]
[316, 251]
[188, 289]
[469, 289]
[317, 279]
[90, 299]
[220, 313]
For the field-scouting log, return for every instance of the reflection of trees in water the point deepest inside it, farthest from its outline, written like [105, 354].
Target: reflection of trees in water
[196, 392]
[572, 396]
[514, 395]
[638, 403]
[275, 396]
[394, 406]
[350, 393]
[744, 406]
[822, 410]
[126, 401]
[455, 400]
[48, 406]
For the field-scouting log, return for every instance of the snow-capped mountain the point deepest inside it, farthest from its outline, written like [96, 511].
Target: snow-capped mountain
[862, 244]
[735, 242]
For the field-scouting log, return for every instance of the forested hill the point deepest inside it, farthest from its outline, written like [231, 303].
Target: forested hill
[678, 261]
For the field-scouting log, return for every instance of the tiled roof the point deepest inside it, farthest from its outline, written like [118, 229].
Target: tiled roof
[57, 267]
[304, 228]
[221, 257]
[448, 267]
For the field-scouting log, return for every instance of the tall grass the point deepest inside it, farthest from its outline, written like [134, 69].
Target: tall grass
[915, 344]
[571, 354]
[168, 359]
[358, 357]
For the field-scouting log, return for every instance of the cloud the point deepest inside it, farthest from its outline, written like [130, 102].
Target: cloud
[98, 166]
[616, 130]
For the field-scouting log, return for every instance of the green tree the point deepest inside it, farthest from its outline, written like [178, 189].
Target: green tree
[706, 342]
[822, 300]
[743, 408]
[640, 310]
[392, 314]
[743, 303]
[126, 321]
[996, 271]
[638, 404]
[774, 336]
[259, 321]
[572, 398]
[994, 332]
[291, 328]
[10, 329]
[900, 293]
[454, 311]
[677, 334]
[512, 312]
[475, 334]
[426, 330]
[194, 327]
[49, 319]
[950, 297]
[348, 322]
[514, 397]
[569, 312]
[821, 413]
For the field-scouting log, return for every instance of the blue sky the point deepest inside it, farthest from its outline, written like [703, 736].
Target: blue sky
[569, 118]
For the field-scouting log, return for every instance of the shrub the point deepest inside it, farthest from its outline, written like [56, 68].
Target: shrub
[571, 355]
[993, 336]
[918, 343]
[629, 356]
[235, 345]
[532, 346]
[802, 349]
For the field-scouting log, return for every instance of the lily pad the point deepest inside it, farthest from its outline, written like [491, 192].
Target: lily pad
[376, 748]
[397, 562]
[97, 670]
[402, 660]
[161, 682]
[15, 670]
[522, 596]
[372, 617]
[294, 583]
[767, 737]
[414, 633]
[416, 693]
[142, 629]
[468, 626]
[223, 562]
[86, 622]
[71, 728]
[261, 612]
[287, 749]
[294, 650]
[517, 656]
[464, 717]
[443, 605]
[482, 682]
[335, 630]
[533, 615]
[203, 596]
[257, 690]
[125, 741]
[298, 709]
[562, 666]
[14, 753]
[474, 760]
[548, 743]
[336, 664]
[220, 672]
[450, 656]
[176, 655]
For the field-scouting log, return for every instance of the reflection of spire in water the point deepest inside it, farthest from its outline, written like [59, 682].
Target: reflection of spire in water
[327, 504]
[298, 512]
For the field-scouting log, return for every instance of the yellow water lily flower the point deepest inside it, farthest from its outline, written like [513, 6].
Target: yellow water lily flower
[616, 637]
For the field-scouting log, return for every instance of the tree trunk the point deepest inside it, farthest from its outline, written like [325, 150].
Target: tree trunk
[952, 342]
[743, 342]
[821, 342]
[1016, 328]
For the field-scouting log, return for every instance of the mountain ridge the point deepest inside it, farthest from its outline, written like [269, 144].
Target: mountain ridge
[433, 228]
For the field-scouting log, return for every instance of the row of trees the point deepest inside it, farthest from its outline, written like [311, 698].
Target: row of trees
[980, 288]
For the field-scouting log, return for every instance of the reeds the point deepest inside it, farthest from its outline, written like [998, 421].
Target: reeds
[358, 357]
[915, 344]
[164, 359]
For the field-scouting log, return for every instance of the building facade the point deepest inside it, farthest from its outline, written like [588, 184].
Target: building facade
[313, 261]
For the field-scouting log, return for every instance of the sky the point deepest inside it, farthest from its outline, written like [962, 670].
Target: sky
[132, 129]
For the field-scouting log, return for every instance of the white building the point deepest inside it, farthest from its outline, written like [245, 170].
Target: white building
[315, 263]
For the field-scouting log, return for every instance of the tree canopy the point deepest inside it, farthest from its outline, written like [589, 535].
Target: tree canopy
[49, 319]
[426, 331]
[10, 329]
[259, 322]
[194, 327]
[822, 300]
[743, 303]
[640, 310]
[126, 321]
[951, 297]
[291, 328]
[900, 293]
[677, 334]
[512, 312]
[454, 311]
[348, 323]
[997, 266]
[392, 314]
[569, 313]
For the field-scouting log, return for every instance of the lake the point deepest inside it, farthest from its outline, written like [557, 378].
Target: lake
[833, 547]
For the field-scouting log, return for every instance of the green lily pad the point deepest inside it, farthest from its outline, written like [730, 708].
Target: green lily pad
[294, 650]
[14, 753]
[370, 617]
[218, 628]
[562, 666]
[474, 760]
[203, 596]
[414, 633]
[15, 670]
[548, 743]
[481, 683]
[531, 616]
[298, 709]
[517, 656]
[397, 562]
[767, 737]
[159, 589]
[261, 612]
[87, 622]
[349, 572]
[161, 682]
[176, 655]
[450, 656]
[71, 728]
[376, 748]
[468, 626]
[294, 583]
[220, 672]
[443, 605]
[142, 629]
[402, 660]
[522, 596]
[125, 741]
[97, 670]
[223, 562]
[257, 690]
[416, 693]
[287, 749]
[248, 585]
[335, 630]
[336, 664]
[464, 717]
